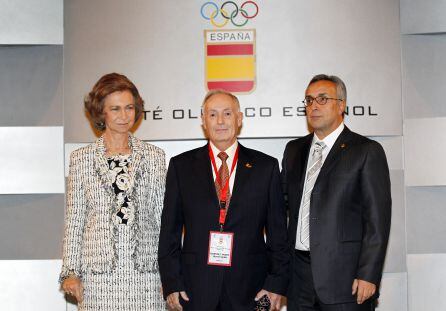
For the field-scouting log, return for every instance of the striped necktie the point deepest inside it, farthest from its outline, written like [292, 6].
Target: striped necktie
[223, 176]
[314, 168]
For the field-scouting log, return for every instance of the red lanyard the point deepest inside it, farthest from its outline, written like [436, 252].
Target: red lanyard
[223, 195]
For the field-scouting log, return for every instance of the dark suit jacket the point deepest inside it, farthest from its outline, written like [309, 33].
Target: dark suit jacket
[257, 207]
[349, 214]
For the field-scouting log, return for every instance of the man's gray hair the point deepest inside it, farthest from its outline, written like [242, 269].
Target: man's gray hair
[341, 90]
[223, 92]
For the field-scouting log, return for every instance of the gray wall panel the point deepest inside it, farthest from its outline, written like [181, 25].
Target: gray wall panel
[427, 282]
[423, 82]
[31, 82]
[396, 251]
[393, 292]
[425, 151]
[30, 285]
[32, 226]
[424, 75]
[422, 16]
[31, 22]
[35, 160]
[393, 147]
[426, 219]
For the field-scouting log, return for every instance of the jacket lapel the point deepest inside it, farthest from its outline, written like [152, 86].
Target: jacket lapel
[203, 173]
[302, 162]
[296, 170]
[101, 166]
[138, 156]
[244, 167]
[335, 153]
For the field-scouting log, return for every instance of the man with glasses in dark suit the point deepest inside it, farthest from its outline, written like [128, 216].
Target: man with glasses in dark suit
[338, 191]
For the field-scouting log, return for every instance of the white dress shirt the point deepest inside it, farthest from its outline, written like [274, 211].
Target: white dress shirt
[329, 141]
[231, 154]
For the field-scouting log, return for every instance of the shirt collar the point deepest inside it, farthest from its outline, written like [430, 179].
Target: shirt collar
[230, 151]
[330, 139]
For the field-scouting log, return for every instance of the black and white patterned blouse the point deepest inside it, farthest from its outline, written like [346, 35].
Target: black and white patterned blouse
[119, 170]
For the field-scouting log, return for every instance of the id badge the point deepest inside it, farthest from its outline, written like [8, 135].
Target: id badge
[220, 248]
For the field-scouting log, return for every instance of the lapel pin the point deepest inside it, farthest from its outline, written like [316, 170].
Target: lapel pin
[248, 165]
[343, 146]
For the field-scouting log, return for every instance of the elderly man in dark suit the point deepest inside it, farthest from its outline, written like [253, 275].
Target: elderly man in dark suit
[225, 198]
[338, 191]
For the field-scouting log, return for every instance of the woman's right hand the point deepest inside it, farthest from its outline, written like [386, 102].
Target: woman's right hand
[72, 285]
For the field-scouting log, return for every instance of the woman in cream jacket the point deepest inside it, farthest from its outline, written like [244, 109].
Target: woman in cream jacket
[114, 202]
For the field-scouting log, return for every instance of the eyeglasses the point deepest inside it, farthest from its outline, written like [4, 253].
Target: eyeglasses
[308, 101]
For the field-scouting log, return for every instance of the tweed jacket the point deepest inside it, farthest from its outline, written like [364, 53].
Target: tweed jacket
[89, 240]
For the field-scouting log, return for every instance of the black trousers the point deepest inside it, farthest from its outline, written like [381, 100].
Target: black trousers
[224, 303]
[302, 295]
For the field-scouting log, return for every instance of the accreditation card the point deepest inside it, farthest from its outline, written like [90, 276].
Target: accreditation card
[220, 248]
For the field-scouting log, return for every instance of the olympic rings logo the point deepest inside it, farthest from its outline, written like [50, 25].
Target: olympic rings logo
[229, 11]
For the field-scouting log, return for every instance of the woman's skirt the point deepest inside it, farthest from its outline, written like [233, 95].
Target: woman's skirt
[124, 288]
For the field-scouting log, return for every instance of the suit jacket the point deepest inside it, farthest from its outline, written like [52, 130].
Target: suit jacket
[88, 244]
[256, 208]
[350, 212]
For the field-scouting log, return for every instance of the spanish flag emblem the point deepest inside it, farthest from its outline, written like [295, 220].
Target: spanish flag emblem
[230, 61]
